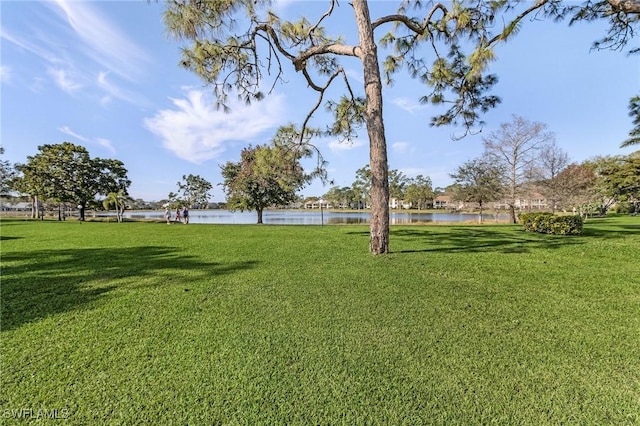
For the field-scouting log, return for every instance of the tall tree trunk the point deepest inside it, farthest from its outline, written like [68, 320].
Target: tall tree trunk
[35, 209]
[379, 225]
[82, 212]
[259, 210]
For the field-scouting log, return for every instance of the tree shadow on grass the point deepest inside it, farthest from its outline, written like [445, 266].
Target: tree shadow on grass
[471, 239]
[611, 231]
[38, 284]
[477, 239]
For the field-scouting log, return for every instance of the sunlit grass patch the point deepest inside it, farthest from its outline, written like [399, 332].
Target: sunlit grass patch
[205, 324]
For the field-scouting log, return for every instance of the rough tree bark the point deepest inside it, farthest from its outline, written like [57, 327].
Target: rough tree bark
[379, 225]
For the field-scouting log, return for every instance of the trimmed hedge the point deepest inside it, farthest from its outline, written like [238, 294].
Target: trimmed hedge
[548, 223]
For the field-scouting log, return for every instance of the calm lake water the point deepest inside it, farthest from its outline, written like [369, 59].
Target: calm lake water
[308, 217]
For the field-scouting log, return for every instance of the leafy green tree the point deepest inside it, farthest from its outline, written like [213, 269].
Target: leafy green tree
[634, 112]
[361, 186]
[617, 179]
[66, 172]
[419, 192]
[265, 176]
[7, 173]
[237, 44]
[117, 200]
[29, 183]
[478, 181]
[340, 196]
[194, 191]
[397, 184]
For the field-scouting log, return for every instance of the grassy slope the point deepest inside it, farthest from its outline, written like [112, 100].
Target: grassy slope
[147, 323]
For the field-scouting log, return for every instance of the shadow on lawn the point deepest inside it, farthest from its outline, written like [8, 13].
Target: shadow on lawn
[610, 231]
[474, 239]
[470, 239]
[46, 282]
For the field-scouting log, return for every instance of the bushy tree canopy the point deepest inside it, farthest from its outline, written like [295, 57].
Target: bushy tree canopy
[243, 47]
[194, 191]
[67, 173]
[478, 181]
[266, 175]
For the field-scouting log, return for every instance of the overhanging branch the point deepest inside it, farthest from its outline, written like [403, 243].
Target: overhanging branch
[408, 22]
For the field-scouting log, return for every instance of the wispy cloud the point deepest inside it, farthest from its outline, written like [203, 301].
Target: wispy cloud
[5, 74]
[29, 46]
[105, 143]
[112, 91]
[64, 79]
[408, 105]
[355, 75]
[103, 41]
[80, 47]
[281, 5]
[37, 85]
[336, 145]
[195, 131]
[401, 147]
[67, 131]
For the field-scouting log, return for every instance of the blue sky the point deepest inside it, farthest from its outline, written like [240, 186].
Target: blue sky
[104, 75]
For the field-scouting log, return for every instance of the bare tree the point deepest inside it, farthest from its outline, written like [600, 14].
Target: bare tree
[515, 148]
[552, 161]
[576, 186]
[238, 44]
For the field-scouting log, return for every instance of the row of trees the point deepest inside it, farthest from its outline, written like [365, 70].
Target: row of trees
[266, 175]
[520, 158]
[418, 191]
[235, 45]
[66, 174]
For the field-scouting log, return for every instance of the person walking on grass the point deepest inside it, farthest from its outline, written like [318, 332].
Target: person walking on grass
[167, 215]
[185, 215]
[178, 214]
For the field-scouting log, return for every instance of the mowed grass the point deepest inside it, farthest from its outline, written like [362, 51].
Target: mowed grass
[144, 323]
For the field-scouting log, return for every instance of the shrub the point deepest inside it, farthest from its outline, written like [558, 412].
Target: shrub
[535, 222]
[548, 223]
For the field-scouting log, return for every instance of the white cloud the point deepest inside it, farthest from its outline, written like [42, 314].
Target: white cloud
[83, 40]
[336, 145]
[67, 131]
[37, 85]
[105, 143]
[5, 74]
[401, 147]
[281, 5]
[355, 75]
[408, 105]
[64, 80]
[115, 92]
[195, 131]
[29, 46]
[103, 41]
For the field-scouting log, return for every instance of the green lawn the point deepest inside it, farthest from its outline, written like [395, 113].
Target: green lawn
[144, 323]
